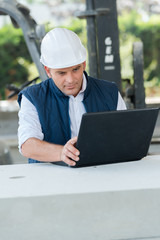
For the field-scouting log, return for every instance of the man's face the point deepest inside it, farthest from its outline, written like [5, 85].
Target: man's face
[68, 80]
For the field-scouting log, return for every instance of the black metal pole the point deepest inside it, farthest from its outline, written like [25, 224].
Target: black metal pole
[108, 41]
[138, 75]
[92, 42]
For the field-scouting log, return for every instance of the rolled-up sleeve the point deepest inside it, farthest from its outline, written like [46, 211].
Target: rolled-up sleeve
[29, 124]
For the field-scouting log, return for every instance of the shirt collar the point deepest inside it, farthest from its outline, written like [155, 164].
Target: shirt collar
[84, 84]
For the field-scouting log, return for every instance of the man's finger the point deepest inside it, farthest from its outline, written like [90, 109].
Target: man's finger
[68, 161]
[71, 155]
[72, 149]
[72, 140]
[70, 146]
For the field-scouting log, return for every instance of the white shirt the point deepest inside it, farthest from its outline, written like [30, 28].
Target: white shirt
[29, 126]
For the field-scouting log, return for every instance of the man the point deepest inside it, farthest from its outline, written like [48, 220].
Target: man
[51, 111]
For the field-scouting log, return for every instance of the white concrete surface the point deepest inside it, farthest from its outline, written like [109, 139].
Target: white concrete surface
[45, 201]
[66, 180]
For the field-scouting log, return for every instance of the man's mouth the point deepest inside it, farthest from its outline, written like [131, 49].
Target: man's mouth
[70, 86]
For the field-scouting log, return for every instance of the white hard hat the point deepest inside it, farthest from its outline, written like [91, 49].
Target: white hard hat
[61, 48]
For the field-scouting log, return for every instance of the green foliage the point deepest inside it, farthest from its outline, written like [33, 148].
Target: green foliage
[132, 28]
[13, 55]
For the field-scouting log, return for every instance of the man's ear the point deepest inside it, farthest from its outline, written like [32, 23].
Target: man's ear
[47, 71]
[84, 66]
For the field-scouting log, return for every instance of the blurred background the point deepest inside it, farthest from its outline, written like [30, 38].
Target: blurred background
[138, 20]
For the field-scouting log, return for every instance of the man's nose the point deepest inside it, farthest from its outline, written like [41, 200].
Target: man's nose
[69, 78]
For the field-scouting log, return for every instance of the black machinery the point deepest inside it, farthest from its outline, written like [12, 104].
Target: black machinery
[103, 47]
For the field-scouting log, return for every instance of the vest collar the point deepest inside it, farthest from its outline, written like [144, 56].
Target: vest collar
[88, 88]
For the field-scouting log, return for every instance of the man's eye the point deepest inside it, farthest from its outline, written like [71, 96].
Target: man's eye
[76, 69]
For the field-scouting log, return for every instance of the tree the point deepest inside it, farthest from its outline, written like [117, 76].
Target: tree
[133, 28]
[14, 57]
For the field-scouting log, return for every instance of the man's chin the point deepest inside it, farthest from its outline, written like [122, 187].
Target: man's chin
[72, 92]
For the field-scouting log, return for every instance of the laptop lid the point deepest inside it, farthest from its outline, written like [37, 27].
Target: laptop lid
[115, 136]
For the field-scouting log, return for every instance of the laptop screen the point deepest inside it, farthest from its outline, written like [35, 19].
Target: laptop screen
[115, 136]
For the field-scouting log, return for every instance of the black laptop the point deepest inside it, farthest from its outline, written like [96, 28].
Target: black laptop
[116, 136]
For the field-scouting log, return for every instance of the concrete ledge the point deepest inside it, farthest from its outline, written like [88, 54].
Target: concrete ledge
[92, 216]
[46, 201]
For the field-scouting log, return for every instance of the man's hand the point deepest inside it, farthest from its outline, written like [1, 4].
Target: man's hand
[70, 152]
[49, 152]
